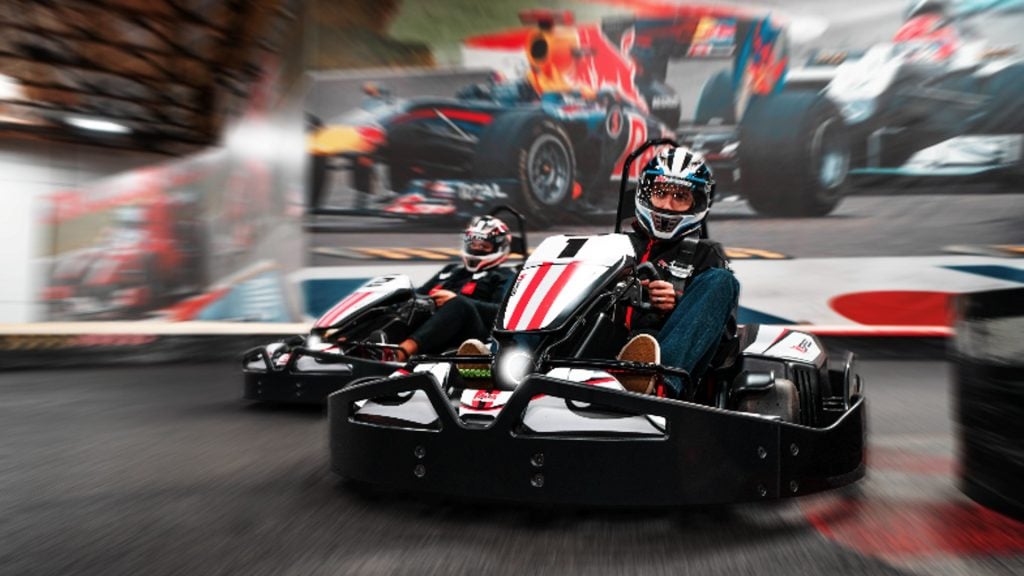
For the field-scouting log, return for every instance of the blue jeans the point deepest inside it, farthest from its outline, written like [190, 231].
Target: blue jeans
[693, 330]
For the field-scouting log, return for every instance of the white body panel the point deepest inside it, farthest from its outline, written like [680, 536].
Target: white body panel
[369, 294]
[559, 274]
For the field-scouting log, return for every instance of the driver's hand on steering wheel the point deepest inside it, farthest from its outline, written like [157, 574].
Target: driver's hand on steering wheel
[441, 297]
[663, 294]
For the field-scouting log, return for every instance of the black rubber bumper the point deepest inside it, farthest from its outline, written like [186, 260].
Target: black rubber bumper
[290, 388]
[264, 382]
[706, 456]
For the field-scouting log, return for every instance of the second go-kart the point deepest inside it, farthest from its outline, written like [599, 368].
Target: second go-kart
[546, 420]
[344, 344]
[353, 340]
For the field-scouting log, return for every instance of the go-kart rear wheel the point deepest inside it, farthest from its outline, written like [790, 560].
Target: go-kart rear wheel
[795, 155]
[782, 400]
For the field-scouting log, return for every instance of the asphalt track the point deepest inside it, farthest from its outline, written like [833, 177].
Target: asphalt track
[166, 470]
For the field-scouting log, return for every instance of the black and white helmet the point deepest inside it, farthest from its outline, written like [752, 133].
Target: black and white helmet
[485, 244]
[672, 171]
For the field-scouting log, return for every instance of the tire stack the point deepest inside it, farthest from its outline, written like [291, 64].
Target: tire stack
[988, 398]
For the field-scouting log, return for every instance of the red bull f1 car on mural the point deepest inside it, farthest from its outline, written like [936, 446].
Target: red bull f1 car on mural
[544, 418]
[941, 99]
[552, 140]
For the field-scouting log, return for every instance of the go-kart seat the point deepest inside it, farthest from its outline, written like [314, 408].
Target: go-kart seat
[726, 363]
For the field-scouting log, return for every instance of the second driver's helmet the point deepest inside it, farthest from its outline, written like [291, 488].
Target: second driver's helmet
[674, 171]
[485, 243]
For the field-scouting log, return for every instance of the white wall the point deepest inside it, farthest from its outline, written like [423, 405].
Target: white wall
[29, 171]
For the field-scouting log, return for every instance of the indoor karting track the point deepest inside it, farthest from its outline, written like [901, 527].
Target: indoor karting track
[165, 470]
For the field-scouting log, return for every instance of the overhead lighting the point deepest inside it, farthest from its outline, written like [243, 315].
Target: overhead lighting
[98, 125]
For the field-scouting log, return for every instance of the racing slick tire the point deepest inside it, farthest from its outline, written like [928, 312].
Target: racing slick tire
[795, 155]
[1003, 113]
[535, 151]
[716, 104]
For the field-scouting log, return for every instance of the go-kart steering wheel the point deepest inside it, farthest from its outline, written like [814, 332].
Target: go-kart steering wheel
[646, 271]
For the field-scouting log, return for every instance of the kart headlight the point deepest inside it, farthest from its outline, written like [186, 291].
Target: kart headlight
[856, 111]
[513, 366]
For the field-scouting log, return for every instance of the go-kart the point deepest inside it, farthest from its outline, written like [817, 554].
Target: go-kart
[545, 419]
[356, 338]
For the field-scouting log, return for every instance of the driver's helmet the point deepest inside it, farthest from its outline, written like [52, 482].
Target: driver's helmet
[485, 243]
[672, 171]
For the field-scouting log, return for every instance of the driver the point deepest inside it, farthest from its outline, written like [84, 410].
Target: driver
[694, 301]
[467, 295]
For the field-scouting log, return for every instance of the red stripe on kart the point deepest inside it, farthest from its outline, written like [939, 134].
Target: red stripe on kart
[552, 293]
[339, 310]
[524, 301]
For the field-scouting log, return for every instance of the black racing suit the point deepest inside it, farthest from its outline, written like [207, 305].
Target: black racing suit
[470, 314]
[678, 262]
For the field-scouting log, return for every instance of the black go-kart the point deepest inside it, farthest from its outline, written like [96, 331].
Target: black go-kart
[545, 419]
[355, 339]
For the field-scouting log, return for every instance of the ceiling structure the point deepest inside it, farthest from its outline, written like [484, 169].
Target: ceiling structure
[165, 73]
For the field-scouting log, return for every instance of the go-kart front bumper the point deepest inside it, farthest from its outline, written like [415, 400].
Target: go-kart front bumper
[705, 455]
[307, 378]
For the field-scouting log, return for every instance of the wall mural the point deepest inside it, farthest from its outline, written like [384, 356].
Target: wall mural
[833, 134]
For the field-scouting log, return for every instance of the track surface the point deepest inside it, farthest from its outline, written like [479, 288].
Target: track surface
[165, 470]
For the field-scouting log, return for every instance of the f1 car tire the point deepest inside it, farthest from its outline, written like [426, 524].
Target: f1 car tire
[716, 104]
[795, 155]
[317, 181]
[1003, 113]
[535, 151]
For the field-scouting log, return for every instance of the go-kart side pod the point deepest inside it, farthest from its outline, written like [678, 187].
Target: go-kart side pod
[704, 456]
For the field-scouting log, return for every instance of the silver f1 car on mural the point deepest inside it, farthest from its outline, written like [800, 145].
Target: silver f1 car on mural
[941, 99]
[545, 419]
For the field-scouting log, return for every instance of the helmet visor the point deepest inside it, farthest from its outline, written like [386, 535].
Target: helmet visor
[478, 247]
[673, 195]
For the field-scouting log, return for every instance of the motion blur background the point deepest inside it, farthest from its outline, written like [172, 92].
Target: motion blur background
[221, 160]
[213, 180]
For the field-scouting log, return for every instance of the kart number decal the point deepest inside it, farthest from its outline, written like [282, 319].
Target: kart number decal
[378, 282]
[572, 247]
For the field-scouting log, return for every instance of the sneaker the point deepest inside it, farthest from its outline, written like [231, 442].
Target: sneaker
[642, 348]
[474, 347]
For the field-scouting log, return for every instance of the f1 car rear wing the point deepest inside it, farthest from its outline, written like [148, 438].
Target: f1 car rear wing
[757, 46]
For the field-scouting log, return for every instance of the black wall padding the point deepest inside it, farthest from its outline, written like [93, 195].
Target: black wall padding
[988, 398]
